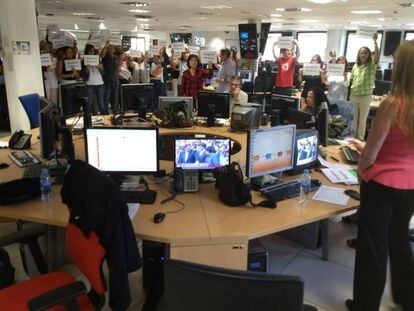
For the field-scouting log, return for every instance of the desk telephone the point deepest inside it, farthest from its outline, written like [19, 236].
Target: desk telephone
[185, 180]
[20, 140]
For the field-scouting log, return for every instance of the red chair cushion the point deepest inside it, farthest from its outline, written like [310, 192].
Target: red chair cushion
[15, 297]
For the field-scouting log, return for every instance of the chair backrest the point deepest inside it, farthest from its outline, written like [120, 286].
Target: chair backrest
[189, 286]
[88, 255]
[31, 104]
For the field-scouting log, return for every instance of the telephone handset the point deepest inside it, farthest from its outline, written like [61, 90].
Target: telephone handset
[185, 180]
[20, 140]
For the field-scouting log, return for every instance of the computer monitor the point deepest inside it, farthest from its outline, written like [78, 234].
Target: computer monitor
[201, 153]
[322, 123]
[213, 105]
[269, 151]
[73, 97]
[123, 150]
[283, 102]
[306, 150]
[381, 87]
[301, 119]
[166, 101]
[246, 117]
[387, 74]
[138, 98]
[246, 75]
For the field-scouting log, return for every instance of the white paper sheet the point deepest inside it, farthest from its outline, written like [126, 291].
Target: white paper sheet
[208, 56]
[365, 32]
[4, 144]
[332, 165]
[331, 195]
[338, 175]
[132, 209]
[45, 59]
[285, 42]
[92, 60]
[310, 69]
[72, 64]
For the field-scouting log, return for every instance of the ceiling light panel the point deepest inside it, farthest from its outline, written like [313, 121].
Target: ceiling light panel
[365, 12]
[216, 7]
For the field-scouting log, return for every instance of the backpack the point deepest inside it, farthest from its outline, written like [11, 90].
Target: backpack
[6, 269]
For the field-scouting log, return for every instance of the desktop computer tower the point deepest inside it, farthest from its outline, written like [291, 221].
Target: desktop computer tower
[257, 257]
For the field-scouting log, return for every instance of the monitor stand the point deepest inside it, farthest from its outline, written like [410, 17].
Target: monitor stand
[264, 181]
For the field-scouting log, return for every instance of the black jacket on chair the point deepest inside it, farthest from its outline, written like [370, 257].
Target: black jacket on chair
[96, 204]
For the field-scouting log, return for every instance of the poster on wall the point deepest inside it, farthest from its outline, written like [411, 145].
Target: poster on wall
[21, 47]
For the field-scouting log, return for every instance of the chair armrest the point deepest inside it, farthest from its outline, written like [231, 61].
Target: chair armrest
[65, 295]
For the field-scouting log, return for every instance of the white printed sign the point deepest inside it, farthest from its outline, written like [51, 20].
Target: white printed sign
[179, 47]
[92, 60]
[193, 49]
[208, 56]
[310, 69]
[135, 53]
[96, 42]
[162, 43]
[69, 40]
[285, 42]
[115, 39]
[72, 64]
[125, 74]
[45, 60]
[154, 50]
[336, 71]
[365, 32]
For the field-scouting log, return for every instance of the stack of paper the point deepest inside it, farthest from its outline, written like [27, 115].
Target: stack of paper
[337, 175]
[331, 195]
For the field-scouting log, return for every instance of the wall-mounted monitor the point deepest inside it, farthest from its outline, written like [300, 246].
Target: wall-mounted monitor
[248, 41]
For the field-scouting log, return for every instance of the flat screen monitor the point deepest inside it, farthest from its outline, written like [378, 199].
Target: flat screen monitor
[123, 150]
[213, 105]
[283, 102]
[381, 87]
[137, 97]
[270, 150]
[301, 119]
[306, 150]
[73, 97]
[48, 128]
[165, 101]
[201, 153]
[246, 75]
[387, 74]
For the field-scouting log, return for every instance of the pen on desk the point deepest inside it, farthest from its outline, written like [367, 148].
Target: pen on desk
[333, 158]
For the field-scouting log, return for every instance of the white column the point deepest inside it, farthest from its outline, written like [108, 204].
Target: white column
[23, 74]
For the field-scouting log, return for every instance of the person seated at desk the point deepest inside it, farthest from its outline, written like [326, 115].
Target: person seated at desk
[237, 96]
[315, 97]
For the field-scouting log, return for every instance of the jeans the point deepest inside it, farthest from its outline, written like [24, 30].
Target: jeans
[99, 91]
[111, 95]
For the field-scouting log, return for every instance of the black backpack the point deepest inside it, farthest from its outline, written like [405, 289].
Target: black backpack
[6, 269]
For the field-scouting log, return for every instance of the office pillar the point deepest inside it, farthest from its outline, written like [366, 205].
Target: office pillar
[21, 56]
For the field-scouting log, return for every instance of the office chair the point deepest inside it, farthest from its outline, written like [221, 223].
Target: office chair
[60, 288]
[190, 286]
[31, 105]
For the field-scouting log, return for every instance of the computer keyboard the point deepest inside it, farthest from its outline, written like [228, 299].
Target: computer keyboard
[23, 158]
[286, 190]
[33, 170]
[351, 155]
[144, 197]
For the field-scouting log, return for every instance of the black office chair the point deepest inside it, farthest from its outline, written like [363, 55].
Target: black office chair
[190, 286]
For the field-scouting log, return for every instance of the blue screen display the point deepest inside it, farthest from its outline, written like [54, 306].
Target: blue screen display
[244, 35]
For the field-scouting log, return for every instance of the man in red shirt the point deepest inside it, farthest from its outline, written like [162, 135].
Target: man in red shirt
[286, 69]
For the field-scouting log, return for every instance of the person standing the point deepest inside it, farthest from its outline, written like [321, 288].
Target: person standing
[286, 68]
[386, 166]
[362, 83]
[110, 63]
[193, 78]
[227, 70]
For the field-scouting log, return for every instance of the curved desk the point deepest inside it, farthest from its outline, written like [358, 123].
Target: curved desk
[206, 231]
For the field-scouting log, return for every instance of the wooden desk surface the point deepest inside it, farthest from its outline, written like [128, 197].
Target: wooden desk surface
[205, 220]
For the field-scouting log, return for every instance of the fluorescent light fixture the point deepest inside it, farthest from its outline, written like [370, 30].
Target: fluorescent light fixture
[275, 15]
[308, 21]
[102, 26]
[135, 29]
[381, 19]
[320, 1]
[293, 9]
[142, 19]
[198, 17]
[83, 14]
[216, 7]
[358, 22]
[366, 12]
[138, 11]
[76, 26]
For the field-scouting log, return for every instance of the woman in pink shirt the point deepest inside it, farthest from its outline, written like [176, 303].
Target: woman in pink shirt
[386, 167]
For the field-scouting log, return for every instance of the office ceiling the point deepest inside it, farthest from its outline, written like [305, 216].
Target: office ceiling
[193, 16]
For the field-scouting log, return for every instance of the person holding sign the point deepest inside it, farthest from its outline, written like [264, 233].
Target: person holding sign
[227, 70]
[49, 74]
[386, 166]
[92, 75]
[157, 77]
[139, 66]
[110, 62]
[193, 78]
[363, 77]
[311, 82]
[286, 68]
[179, 66]
[63, 73]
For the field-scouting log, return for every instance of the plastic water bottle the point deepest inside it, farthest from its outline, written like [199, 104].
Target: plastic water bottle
[45, 185]
[305, 183]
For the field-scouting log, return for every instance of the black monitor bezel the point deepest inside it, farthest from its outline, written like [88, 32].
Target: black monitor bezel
[126, 128]
[296, 100]
[132, 85]
[300, 134]
[53, 132]
[61, 105]
[209, 93]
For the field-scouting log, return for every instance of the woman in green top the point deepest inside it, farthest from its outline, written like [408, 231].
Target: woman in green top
[363, 77]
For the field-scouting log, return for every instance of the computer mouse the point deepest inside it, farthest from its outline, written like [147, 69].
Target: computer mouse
[316, 182]
[159, 217]
[353, 194]
[3, 165]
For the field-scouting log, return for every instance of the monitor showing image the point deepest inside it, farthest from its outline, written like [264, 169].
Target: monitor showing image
[307, 150]
[202, 153]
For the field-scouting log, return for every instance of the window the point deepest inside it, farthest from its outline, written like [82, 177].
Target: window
[138, 43]
[271, 39]
[311, 43]
[353, 44]
[409, 35]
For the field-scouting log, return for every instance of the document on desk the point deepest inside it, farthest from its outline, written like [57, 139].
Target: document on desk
[331, 195]
[337, 175]
[132, 209]
[4, 144]
[332, 165]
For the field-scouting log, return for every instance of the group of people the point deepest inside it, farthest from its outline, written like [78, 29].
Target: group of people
[213, 153]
